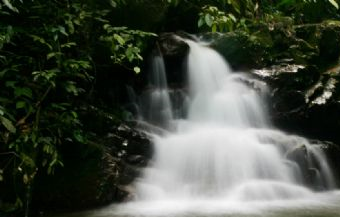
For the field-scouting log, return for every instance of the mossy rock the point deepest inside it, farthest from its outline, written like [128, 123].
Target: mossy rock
[325, 36]
[237, 48]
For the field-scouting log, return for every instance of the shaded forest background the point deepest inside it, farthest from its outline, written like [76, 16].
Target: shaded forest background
[64, 64]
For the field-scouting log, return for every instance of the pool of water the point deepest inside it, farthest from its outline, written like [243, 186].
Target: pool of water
[322, 205]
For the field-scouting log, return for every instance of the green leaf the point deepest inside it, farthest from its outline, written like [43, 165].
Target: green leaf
[7, 124]
[41, 40]
[200, 22]
[78, 135]
[53, 54]
[236, 5]
[28, 161]
[3, 72]
[10, 6]
[10, 84]
[334, 3]
[208, 19]
[23, 91]
[130, 53]
[62, 30]
[113, 3]
[232, 17]
[20, 104]
[68, 45]
[70, 87]
[119, 38]
[136, 69]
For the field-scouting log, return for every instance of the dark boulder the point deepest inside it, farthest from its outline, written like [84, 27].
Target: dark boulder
[305, 100]
[174, 49]
[172, 44]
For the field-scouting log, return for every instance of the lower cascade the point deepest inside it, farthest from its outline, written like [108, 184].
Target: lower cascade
[221, 149]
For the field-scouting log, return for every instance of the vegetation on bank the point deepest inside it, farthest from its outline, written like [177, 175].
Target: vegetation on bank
[56, 57]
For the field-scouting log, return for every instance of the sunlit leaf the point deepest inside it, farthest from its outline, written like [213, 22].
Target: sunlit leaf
[200, 22]
[62, 30]
[136, 69]
[68, 45]
[232, 17]
[9, 5]
[334, 3]
[53, 54]
[7, 124]
[208, 20]
[119, 38]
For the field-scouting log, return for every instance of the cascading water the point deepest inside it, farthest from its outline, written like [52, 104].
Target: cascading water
[156, 104]
[222, 158]
[224, 148]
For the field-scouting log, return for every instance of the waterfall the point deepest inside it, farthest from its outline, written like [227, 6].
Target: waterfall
[156, 104]
[216, 153]
[224, 148]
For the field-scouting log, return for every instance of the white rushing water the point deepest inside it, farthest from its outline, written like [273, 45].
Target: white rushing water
[223, 151]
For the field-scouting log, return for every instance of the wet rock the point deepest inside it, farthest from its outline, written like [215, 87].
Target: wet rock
[171, 44]
[134, 141]
[138, 160]
[289, 75]
[304, 98]
[174, 49]
[309, 164]
[128, 174]
[332, 152]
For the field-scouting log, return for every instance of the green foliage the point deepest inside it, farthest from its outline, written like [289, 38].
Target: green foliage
[217, 20]
[47, 52]
[234, 15]
[125, 44]
[46, 68]
[225, 16]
